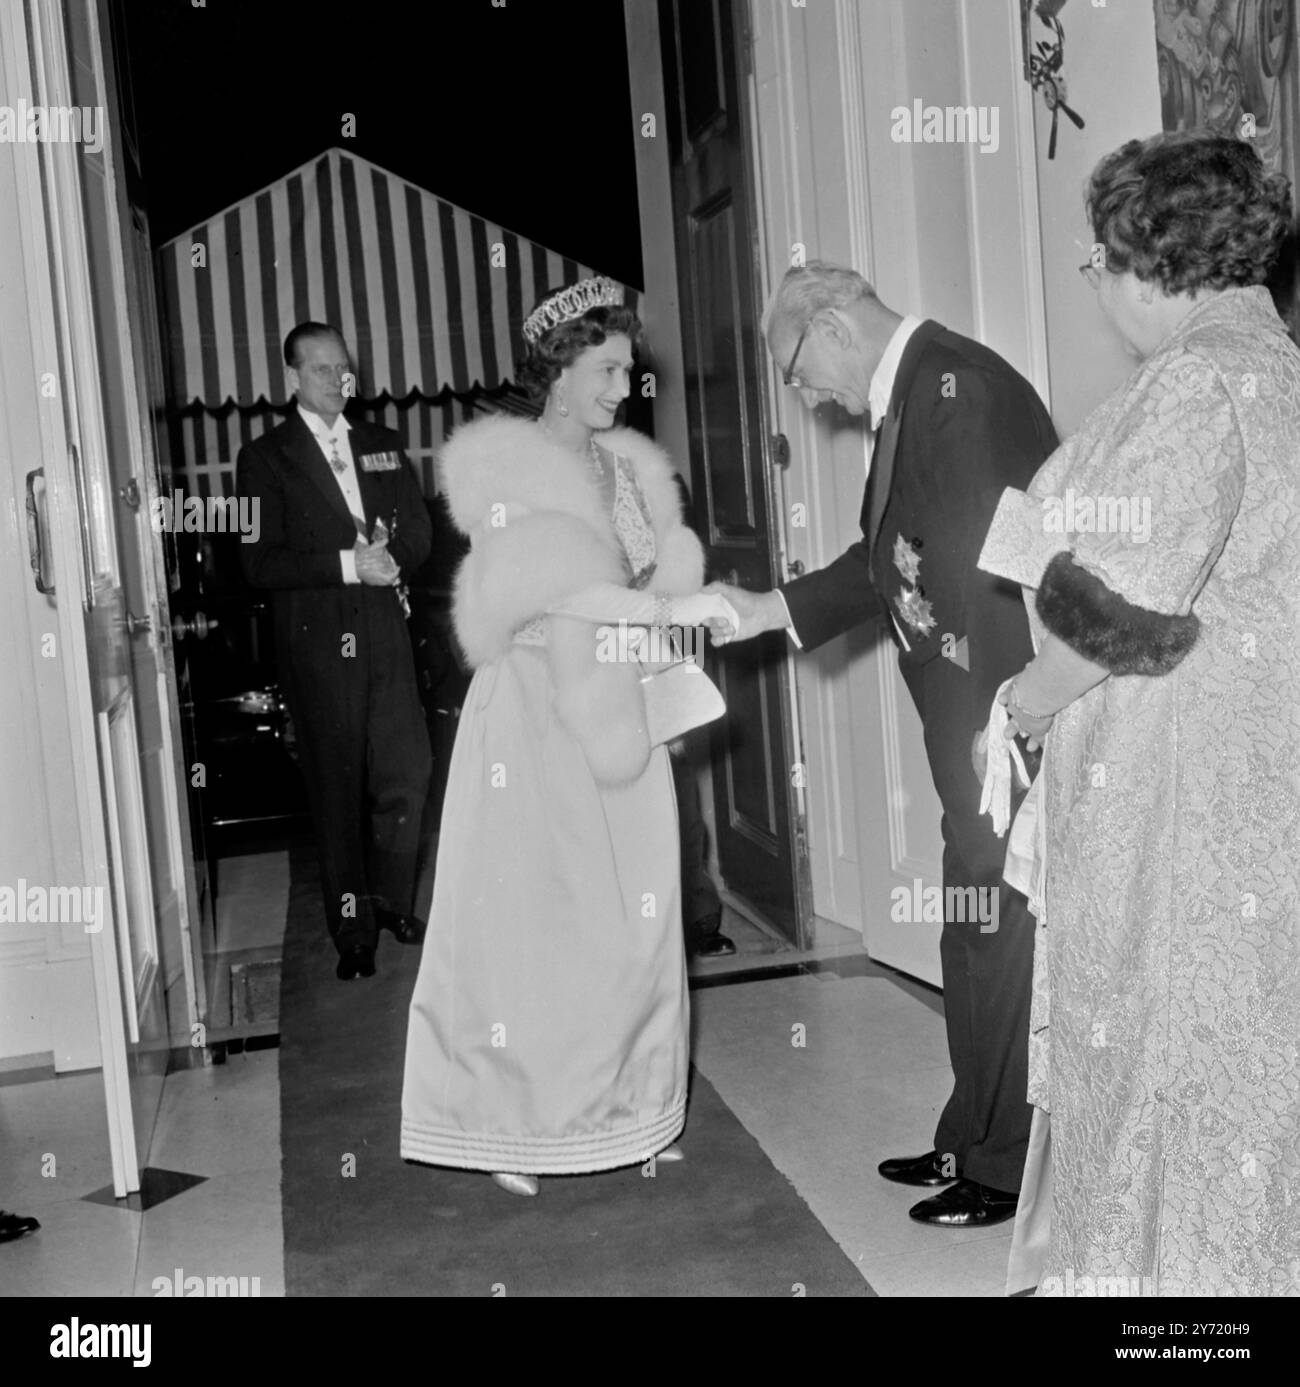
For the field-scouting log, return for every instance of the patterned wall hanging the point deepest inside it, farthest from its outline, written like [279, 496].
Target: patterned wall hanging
[1231, 66]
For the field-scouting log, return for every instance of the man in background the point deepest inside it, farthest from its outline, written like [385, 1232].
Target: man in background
[342, 526]
[701, 904]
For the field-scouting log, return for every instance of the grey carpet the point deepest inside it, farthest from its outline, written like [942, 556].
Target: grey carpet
[725, 1222]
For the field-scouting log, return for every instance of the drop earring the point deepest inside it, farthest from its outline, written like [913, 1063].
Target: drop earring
[561, 406]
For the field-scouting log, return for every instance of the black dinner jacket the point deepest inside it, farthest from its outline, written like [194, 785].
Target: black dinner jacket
[961, 426]
[304, 521]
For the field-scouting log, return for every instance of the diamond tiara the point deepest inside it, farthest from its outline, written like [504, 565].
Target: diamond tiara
[571, 303]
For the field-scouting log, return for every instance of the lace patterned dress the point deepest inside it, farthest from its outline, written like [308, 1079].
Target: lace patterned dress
[1166, 1024]
[548, 1027]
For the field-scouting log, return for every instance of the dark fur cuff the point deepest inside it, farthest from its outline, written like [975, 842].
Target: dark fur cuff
[1105, 628]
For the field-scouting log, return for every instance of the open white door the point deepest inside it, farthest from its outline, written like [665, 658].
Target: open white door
[76, 544]
[943, 232]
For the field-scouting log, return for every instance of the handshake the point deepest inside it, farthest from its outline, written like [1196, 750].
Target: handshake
[735, 614]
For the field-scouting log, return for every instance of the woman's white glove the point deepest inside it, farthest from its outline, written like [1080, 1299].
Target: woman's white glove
[704, 608]
[607, 603]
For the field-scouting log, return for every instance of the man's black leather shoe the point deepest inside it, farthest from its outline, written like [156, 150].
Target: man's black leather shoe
[705, 939]
[406, 929]
[966, 1205]
[918, 1170]
[710, 943]
[714, 946]
[358, 961]
[15, 1225]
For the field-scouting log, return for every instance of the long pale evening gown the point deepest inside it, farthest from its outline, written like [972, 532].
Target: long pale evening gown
[548, 1027]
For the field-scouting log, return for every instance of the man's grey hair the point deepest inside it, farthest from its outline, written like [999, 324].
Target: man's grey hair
[807, 289]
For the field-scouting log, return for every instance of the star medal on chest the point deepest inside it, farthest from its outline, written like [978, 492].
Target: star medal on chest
[911, 602]
[906, 559]
[915, 610]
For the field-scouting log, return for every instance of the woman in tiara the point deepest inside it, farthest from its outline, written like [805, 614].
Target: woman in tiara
[548, 1028]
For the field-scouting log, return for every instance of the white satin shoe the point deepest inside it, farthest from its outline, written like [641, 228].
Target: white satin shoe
[671, 1153]
[517, 1184]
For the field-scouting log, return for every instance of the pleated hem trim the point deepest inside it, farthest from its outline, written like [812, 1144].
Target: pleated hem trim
[580, 1155]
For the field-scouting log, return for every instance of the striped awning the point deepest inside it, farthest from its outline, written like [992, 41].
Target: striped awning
[428, 296]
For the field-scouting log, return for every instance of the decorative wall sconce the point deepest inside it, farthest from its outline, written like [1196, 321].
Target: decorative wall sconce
[1044, 63]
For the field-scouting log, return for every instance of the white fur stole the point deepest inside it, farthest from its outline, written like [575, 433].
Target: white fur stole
[538, 534]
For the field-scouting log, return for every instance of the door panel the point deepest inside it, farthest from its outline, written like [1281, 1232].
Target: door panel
[131, 379]
[120, 767]
[757, 790]
[718, 393]
[896, 795]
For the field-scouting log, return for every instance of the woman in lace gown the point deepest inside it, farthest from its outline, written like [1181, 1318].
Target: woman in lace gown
[1163, 541]
[548, 1028]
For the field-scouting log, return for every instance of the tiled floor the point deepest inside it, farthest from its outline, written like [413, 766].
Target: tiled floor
[830, 1063]
[831, 1074]
[220, 1123]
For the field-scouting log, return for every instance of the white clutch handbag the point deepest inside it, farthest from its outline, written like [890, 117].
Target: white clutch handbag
[678, 697]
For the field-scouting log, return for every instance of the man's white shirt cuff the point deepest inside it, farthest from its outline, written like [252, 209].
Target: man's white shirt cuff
[349, 561]
[789, 625]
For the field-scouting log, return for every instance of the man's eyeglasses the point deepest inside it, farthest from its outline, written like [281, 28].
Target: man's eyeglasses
[789, 376]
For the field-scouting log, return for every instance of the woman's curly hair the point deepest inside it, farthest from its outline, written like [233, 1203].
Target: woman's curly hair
[540, 366]
[1189, 210]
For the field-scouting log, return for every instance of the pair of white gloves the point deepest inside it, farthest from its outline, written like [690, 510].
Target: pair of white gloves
[1025, 863]
[607, 602]
[1000, 754]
